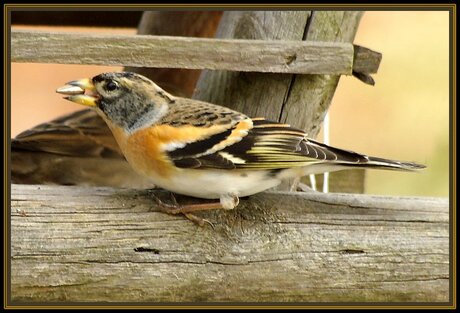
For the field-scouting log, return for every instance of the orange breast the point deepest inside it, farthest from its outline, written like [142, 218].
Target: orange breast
[145, 149]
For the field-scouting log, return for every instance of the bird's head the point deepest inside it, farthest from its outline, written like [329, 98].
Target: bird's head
[125, 99]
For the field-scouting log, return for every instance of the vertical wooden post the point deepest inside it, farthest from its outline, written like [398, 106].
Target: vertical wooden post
[180, 82]
[255, 94]
[299, 100]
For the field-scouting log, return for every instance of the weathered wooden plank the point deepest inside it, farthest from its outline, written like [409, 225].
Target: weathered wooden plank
[281, 56]
[309, 96]
[177, 81]
[366, 60]
[255, 94]
[103, 244]
[299, 100]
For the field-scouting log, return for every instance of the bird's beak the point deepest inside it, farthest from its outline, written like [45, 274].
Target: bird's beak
[76, 92]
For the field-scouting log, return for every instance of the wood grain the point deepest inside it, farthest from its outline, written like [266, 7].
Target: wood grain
[280, 56]
[112, 245]
[308, 97]
[255, 94]
[299, 100]
[177, 81]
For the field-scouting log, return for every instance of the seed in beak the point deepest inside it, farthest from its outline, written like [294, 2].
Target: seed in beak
[70, 90]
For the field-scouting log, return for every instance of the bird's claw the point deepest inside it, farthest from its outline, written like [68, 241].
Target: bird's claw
[176, 208]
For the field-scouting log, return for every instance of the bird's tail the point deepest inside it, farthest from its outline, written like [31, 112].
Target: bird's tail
[345, 159]
[380, 163]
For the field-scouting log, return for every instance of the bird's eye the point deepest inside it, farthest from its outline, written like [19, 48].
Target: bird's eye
[111, 85]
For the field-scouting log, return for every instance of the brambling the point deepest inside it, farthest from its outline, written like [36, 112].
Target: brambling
[203, 150]
[79, 148]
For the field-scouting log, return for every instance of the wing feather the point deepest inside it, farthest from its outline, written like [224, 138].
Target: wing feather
[265, 145]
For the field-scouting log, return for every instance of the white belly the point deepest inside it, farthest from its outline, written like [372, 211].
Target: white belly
[212, 184]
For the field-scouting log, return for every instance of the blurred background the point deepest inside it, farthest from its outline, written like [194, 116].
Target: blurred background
[404, 116]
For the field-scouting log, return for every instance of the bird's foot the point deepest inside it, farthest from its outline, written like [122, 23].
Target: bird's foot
[187, 209]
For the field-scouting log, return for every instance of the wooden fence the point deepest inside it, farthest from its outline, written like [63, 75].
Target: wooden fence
[78, 244]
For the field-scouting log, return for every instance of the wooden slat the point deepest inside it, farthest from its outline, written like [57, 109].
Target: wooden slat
[309, 96]
[183, 52]
[112, 245]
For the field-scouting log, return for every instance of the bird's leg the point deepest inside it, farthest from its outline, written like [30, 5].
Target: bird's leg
[187, 209]
[177, 208]
[227, 202]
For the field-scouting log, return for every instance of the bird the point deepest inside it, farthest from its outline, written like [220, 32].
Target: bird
[74, 149]
[78, 149]
[204, 150]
